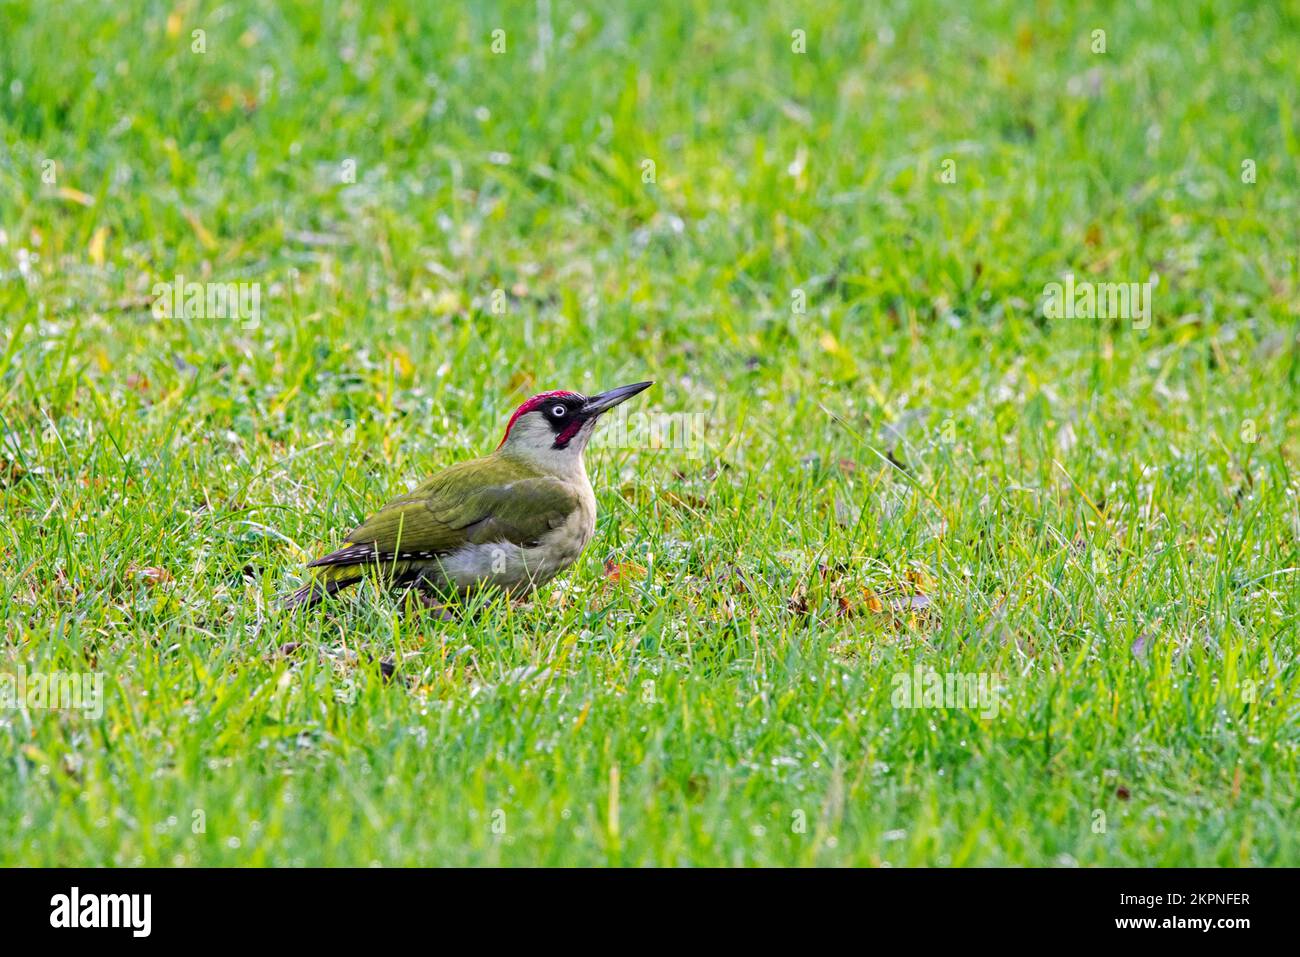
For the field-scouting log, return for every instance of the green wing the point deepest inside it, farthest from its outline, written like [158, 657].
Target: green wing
[477, 502]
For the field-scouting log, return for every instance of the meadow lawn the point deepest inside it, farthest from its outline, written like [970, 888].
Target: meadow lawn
[825, 230]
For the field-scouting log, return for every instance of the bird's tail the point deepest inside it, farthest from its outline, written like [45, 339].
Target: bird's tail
[323, 584]
[308, 596]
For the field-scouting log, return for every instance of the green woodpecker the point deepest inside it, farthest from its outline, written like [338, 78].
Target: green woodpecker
[513, 519]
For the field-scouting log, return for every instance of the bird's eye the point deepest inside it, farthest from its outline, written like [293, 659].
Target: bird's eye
[559, 411]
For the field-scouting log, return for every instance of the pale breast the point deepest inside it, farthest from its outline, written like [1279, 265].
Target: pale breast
[562, 546]
[521, 569]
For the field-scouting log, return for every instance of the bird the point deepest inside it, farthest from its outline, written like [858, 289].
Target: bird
[511, 520]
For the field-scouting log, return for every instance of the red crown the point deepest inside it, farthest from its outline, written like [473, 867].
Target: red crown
[533, 405]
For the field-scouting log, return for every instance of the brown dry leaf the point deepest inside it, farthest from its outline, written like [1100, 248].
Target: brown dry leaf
[617, 571]
[798, 600]
[923, 582]
[151, 575]
[10, 471]
[911, 603]
[839, 568]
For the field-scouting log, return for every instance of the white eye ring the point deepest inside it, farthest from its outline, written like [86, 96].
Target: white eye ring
[559, 411]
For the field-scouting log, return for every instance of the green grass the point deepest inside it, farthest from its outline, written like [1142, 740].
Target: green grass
[1100, 518]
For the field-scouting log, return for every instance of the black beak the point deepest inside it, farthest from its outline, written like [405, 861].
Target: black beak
[607, 400]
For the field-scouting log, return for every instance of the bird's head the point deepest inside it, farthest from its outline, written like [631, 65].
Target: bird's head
[552, 428]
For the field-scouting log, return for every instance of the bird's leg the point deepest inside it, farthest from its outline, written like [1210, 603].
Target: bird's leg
[441, 611]
[521, 598]
[430, 599]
